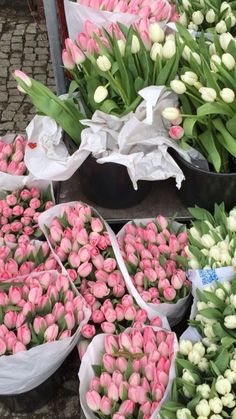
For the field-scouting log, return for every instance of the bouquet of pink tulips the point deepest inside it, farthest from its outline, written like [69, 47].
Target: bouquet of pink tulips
[130, 375]
[12, 156]
[154, 254]
[41, 308]
[114, 316]
[156, 11]
[20, 210]
[25, 257]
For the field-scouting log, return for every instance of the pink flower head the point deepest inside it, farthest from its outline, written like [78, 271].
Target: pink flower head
[93, 400]
[10, 319]
[169, 293]
[109, 363]
[105, 379]
[96, 225]
[51, 333]
[88, 331]
[100, 290]
[14, 295]
[82, 347]
[24, 334]
[108, 327]
[18, 347]
[111, 344]
[106, 405]
[176, 132]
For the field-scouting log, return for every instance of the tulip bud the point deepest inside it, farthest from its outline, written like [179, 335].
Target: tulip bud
[100, 94]
[121, 45]
[210, 16]
[156, 33]
[67, 60]
[103, 63]
[135, 45]
[178, 87]
[225, 40]
[197, 17]
[170, 113]
[169, 49]
[221, 27]
[229, 61]
[208, 94]
[228, 96]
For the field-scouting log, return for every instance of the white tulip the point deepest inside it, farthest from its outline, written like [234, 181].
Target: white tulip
[170, 37]
[100, 94]
[224, 6]
[186, 4]
[197, 57]
[193, 264]
[178, 87]
[183, 19]
[232, 299]
[195, 233]
[203, 408]
[135, 45]
[216, 417]
[227, 286]
[208, 332]
[198, 85]
[204, 390]
[222, 385]
[216, 405]
[203, 364]
[228, 96]
[156, 50]
[214, 253]
[189, 77]
[228, 400]
[232, 19]
[187, 394]
[212, 348]
[121, 45]
[194, 357]
[210, 16]
[233, 212]
[233, 414]
[197, 17]
[198, 346]
[201, 305]
[186, 53]
[205, 252]
[225, 39]
[230, 375]
[230, 322]
[220, 293]
[221, 27]
[228, 60]
[188, 376]
[183, 413]
[208, 95]
[231, 220]
[169, 49]
[156, 33]
[185, 346]
[170, 113]
[233, 365]
[215, 59]
[206, 239]
[225, 257]
[192, 26]
[233, 261]
[212, 49]
[103, 63]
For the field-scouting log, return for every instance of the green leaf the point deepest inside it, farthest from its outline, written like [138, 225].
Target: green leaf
[211, 297]
[193, 403]
[222, 360]
[209, 144]
[214, 108]
[185, 364]
[231, 125]
[128, 371]
[211, 313]
[189, 125]
[201, 214]
[97, 369]
[214, 369]
[229, 141]
[108, 106]
[227, 341]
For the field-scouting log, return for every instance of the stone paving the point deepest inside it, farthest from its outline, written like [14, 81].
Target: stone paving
[23, 45]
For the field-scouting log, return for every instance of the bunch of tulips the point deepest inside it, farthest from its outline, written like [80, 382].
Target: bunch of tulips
[12, 156]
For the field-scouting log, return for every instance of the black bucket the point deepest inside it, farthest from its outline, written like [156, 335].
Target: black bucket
[204, 188]
[108, 185]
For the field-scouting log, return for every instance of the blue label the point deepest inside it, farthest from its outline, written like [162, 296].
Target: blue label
[208, 276]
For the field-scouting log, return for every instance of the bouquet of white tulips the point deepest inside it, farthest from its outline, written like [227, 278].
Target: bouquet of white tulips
[212, 238]
[204, 386]
[209, 16]
[215, 317]
[206, 84]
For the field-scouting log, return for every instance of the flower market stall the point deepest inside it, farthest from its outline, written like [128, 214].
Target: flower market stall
[140, 284]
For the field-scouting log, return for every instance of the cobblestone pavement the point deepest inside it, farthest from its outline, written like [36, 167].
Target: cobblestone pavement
[23, 45]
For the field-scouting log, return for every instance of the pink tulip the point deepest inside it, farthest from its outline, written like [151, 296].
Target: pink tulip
[121, 364]
[69, 320]
[117, 378]
[156, 321]
[106, 405]
[105, 379]
[67, 60]
[18, 347]
[130, 313]
[93, 400]
[108, 327]
[3, 346]
[14, 295]
[85, 269]
[4, 300]
[162, 221]
[95, 384]
[100, 290]
[51, 333]
[82, 237]
[35, 294]
[96, 225]
[82, 347]
[39, 325]
[169, 293]
[111, 345]
[110, 315]
[88, 331]
[127, 407]
[146, 407]
[24, 334]
[98, 316]
[113, 392]
[118, 416]
[134, 379]
[127, 300]
[84, 254]
[10, 339]
[109, 363]
[10, 319]
[125, 341]
[26, 268]
[176, 132]
[101, 275]
[23, 77]
[120, 314]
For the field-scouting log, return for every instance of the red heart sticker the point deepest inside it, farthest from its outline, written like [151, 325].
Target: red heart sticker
[32, 145]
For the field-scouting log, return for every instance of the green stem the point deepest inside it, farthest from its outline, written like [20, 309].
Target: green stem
[119, 88]
[194, 97]
[154, 73]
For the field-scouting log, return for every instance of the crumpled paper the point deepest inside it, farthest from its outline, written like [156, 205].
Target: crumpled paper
[138, 141]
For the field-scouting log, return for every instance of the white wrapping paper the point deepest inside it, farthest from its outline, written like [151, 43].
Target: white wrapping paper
[7, 180]
[46, 219]
[93, 355]
[76, 16]
[202, 278]
[173, 312]
[26, 370]
[138, 141]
